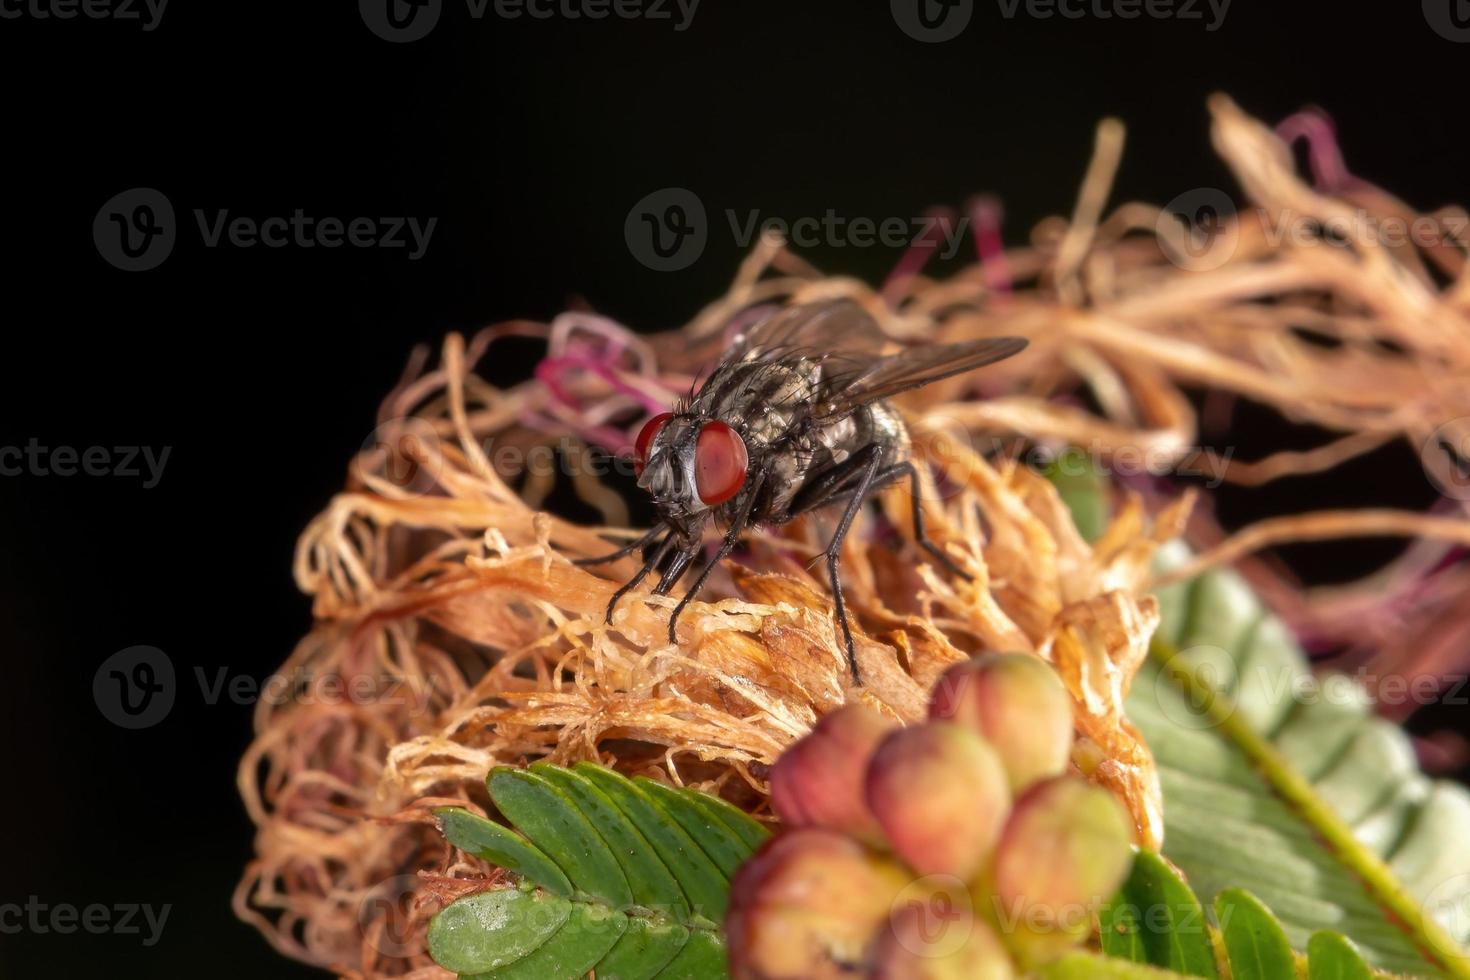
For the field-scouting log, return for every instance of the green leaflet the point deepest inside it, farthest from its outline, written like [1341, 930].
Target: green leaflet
[1334, 957]
[560, 827]
[1091, 966]
[1300, 794]
[1226, 824]
[707, 889]
[652, 885]
[502, 847]
[1155, 920]
[629, 880]
[482, 932]
[1255, 943]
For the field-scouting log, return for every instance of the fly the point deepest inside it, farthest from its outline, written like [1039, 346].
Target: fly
[793, 418]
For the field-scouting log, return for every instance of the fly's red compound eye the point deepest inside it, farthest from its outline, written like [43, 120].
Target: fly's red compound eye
[720, 462]
[645, 437]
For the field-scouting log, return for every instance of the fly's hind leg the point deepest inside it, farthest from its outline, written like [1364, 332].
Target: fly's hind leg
[907, 468]
[859, 493]
[853, 481]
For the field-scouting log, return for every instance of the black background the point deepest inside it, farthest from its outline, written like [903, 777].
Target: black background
[529, 140]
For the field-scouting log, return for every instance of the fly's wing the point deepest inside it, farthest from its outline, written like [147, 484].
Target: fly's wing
[912, 368]
[837, 335]
[836, 328]
[853, 351]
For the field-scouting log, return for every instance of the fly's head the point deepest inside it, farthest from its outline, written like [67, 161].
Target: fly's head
[690, 465]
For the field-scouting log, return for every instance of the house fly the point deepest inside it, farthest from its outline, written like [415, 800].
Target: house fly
[793, 418]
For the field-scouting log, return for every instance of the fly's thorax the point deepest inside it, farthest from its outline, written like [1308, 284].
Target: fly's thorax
[762, 399]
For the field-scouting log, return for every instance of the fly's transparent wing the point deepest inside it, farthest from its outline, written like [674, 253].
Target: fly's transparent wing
[837, 328]
[838, 336]
[912, 368]
[859, 363]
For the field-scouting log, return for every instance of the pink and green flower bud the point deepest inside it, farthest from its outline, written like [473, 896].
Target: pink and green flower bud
[818, 781]
[933, 944]
[1018, 704]
[806, 906]
[1065, 850]
[940, 794]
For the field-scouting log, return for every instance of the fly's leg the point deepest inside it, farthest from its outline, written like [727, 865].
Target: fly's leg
[834, 549]
[675, 570]
[892, 473]
[650, 563]
[828, 486]
[834, 486]
[732, 537]
[626, 549]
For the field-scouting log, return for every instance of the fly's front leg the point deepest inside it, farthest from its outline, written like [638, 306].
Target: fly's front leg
[732, 537]
[626, 549]
[676, 569]
[650, 563]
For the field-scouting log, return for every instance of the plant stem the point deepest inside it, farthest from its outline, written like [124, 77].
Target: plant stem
[1379, 879]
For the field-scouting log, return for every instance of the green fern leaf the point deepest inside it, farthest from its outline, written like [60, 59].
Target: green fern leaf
[629, 879]
[1155, 920]
[1227, 821]
[1287, 785]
